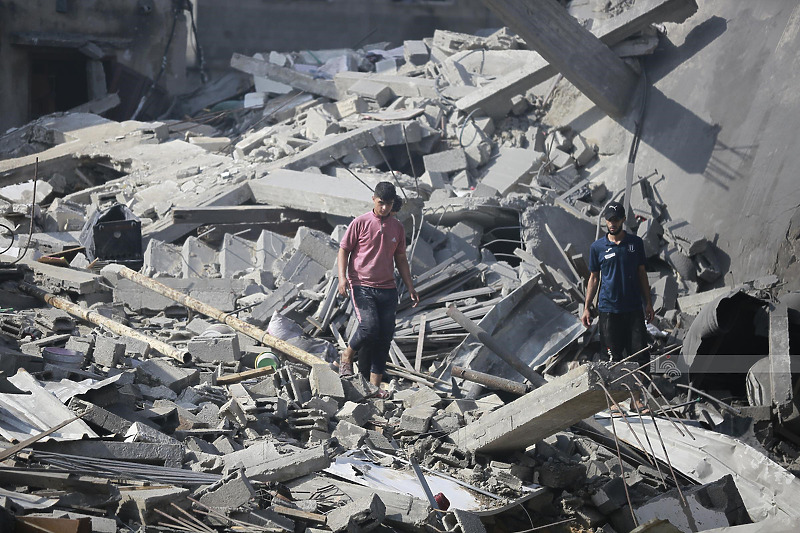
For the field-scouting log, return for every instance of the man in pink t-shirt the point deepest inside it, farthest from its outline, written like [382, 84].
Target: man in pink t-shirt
[372, 246]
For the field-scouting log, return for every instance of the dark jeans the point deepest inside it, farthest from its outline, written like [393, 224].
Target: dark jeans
[375, 310]
[624, 333]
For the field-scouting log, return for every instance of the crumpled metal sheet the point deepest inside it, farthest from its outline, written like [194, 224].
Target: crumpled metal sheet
[25, 415]
[767, 488]
[530, 325]
[66, 388]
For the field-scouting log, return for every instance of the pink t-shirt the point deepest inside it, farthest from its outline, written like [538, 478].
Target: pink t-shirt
[372, 242]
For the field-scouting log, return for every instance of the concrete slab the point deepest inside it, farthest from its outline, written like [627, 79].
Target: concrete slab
[552, 407]
[510, 167]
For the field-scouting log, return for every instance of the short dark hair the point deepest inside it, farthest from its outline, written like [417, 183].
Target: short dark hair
[385, 191]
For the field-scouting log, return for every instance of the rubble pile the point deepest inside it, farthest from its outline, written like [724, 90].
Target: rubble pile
[170, 325]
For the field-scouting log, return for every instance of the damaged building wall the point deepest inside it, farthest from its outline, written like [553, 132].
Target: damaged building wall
[313, 25]
[58, 55]
[727, 151]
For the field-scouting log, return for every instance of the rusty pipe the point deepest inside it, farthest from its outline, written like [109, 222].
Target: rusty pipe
[112, 325]
[490, 381]
[225, 318]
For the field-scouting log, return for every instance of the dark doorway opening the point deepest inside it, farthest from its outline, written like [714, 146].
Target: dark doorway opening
[57, 81]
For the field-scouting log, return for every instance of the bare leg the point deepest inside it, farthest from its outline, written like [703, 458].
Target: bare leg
[375, 379]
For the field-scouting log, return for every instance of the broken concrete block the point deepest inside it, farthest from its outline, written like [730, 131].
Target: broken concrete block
[417, 419]
[139, 503]
[583, 152]
[301, 270]
[421, 396]
[462, 180]
[435, 180]
[362, 515]
[685, 236]
[560, 159]
[211, 144]
[532, 417]
[355, 413]
[610, 496]
[317, 245]
[519, 104]
[107, 351]
[665, 294]
[263, 462]
[372, 90]
[139, 432]
[162, 372]
[707, 265]
[446, 162]
[218, 293]
[233, 491]
[463, 237]
[324, 382]
[319, 124]
[511, 167]
[416, 52]
[349, 435]
[162, 259]
[713, 505]
[650, 231]
[198, 259]
[100, 417]
[222, 348]
[269, 247]
[236, 256]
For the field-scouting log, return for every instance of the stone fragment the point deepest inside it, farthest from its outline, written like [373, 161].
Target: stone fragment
[210, 349]
[360, 516]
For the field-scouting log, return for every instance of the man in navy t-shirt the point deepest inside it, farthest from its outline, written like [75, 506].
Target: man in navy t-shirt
[617, 265]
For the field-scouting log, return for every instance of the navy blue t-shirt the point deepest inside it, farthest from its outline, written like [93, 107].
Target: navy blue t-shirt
[618, 264]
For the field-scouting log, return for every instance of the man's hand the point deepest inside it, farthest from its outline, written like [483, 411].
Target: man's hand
[649, 314]
[342, 287]
[586, 318]
[414, 296]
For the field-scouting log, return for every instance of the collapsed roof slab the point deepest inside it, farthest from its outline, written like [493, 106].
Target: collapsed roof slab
[400, 85]
[767, 488]
[331, 146]
[553, 407]
[294, 78]
[530, 325]
[312, 192]
[495, 98]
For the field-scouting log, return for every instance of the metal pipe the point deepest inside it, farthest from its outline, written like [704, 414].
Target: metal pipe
[112, 325]
[490, 381]
[489, 341]
[225, 318]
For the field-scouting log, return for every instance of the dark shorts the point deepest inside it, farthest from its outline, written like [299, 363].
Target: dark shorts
[375, 311]
[623, 334]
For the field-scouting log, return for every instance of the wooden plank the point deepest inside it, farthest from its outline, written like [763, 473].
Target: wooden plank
[420, 342]
[247, 374]
[402, 359]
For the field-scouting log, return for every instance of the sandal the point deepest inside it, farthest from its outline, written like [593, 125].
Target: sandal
[616, 412]
[382, 394]
[345, 369]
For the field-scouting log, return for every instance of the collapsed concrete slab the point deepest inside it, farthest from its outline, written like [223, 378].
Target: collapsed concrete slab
[312, 192]
[552, 407]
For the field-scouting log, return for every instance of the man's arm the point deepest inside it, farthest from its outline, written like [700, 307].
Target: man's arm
[649, 314]
[341, 261]
[401, 261]
[591, 291]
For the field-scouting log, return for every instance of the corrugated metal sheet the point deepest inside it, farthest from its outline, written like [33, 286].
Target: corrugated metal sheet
[25, 415]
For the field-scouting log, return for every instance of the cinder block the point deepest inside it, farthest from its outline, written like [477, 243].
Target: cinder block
[416, 52]
[446, 162]
[224, 348]
[362, 515]
[349, 435]
[417, 419]
[198, 259]
[236, 256]
[422, 396]
[371, 90]
[107, 351]
[233, 491]
[356, 413]
[162, 372]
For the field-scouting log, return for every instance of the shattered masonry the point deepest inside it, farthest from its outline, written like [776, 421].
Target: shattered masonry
[170, 334]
